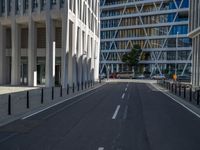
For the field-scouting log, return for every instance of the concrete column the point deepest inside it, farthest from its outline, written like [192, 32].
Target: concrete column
[50, 53]
[64, 57]
[2, 56]
[74, 54]
[80, 57]
[16, 56]
[32, 54]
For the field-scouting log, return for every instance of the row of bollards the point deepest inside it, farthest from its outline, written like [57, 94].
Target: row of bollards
[80, 86]
[181, 90]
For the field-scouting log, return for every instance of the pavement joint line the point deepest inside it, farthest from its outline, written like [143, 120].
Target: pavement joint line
[123, 95]
[101, 148]
[33, 114]
[183, 105]
[116, 112]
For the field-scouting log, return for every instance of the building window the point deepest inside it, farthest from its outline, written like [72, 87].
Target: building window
[43, 4]
[53, 2]
[2, 6]
[26, 4]
[35, 4]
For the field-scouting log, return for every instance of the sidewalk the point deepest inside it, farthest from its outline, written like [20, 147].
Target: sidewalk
[187, 100]
[22, 104]
[7, 89]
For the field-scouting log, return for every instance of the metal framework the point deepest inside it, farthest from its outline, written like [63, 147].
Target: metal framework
[164, 31]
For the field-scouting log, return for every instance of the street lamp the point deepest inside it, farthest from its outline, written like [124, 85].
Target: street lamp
[176, 53]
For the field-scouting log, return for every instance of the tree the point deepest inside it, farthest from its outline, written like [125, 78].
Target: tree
[133, 57]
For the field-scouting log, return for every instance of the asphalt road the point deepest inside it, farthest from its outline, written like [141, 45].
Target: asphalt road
[117, 116]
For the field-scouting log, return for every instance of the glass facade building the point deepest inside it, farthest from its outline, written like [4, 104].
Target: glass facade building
[195, 36]
[160, 27]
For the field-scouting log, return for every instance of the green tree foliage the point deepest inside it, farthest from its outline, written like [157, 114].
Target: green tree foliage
[133, 57]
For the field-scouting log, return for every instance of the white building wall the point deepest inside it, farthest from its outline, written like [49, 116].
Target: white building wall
[74, 62]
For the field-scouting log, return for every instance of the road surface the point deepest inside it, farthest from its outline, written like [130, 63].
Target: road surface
[116, 116]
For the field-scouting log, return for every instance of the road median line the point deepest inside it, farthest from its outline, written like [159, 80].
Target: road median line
[116, 112]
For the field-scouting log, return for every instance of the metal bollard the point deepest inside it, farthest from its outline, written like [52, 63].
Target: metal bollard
[172, 88]
[27, 100]
[9, 104]
[42, 96]
[175, 88]
[82, 85]
[190, 94]
[179, 90]
[61, 94]
[67, 89]
[85, 85]
[198, 92]
[73, 87]
[52, 93]
[78, 86]
[184, 91]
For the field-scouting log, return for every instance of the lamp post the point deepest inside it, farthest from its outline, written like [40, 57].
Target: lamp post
[176, 53]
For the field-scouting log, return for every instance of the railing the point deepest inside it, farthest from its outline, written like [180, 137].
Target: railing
[181, 90]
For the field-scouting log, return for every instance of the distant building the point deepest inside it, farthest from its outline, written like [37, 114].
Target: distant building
[160, 27]
[195, 35]
[49, 42]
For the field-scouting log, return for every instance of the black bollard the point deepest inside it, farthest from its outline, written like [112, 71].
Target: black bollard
[67, 89]
[190, 94]
[73, 88]
[184, 91]
[61, 91]
[52, 93]
[9, 104]
[27, 100]
[175, 88]
[42, 96]
[179, 90]
[198, 92]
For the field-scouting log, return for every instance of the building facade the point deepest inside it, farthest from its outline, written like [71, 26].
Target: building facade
[49, 42]
[160, 27]
[195, 35]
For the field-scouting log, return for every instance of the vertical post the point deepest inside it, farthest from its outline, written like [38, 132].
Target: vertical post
[42, 96]
[73, 87]
[179, 89]
[9, 104]
[184, 91]
[198, 92]
[175, 88]
[172, 87]
[52, 93]
[67, 89]
[78, 86]
[27, 102]
[61, 91]
[190, 94]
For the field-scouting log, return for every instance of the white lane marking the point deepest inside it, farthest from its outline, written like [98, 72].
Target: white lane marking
[125, 113]
[123, 95]
[127, 85]
[101, 148]
[126, 89]
[116, 112]
[33, 114]
[183, 105]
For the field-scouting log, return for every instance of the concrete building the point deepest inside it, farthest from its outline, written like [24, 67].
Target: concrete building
[195, 35]
[49, 42]
[160, 27]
